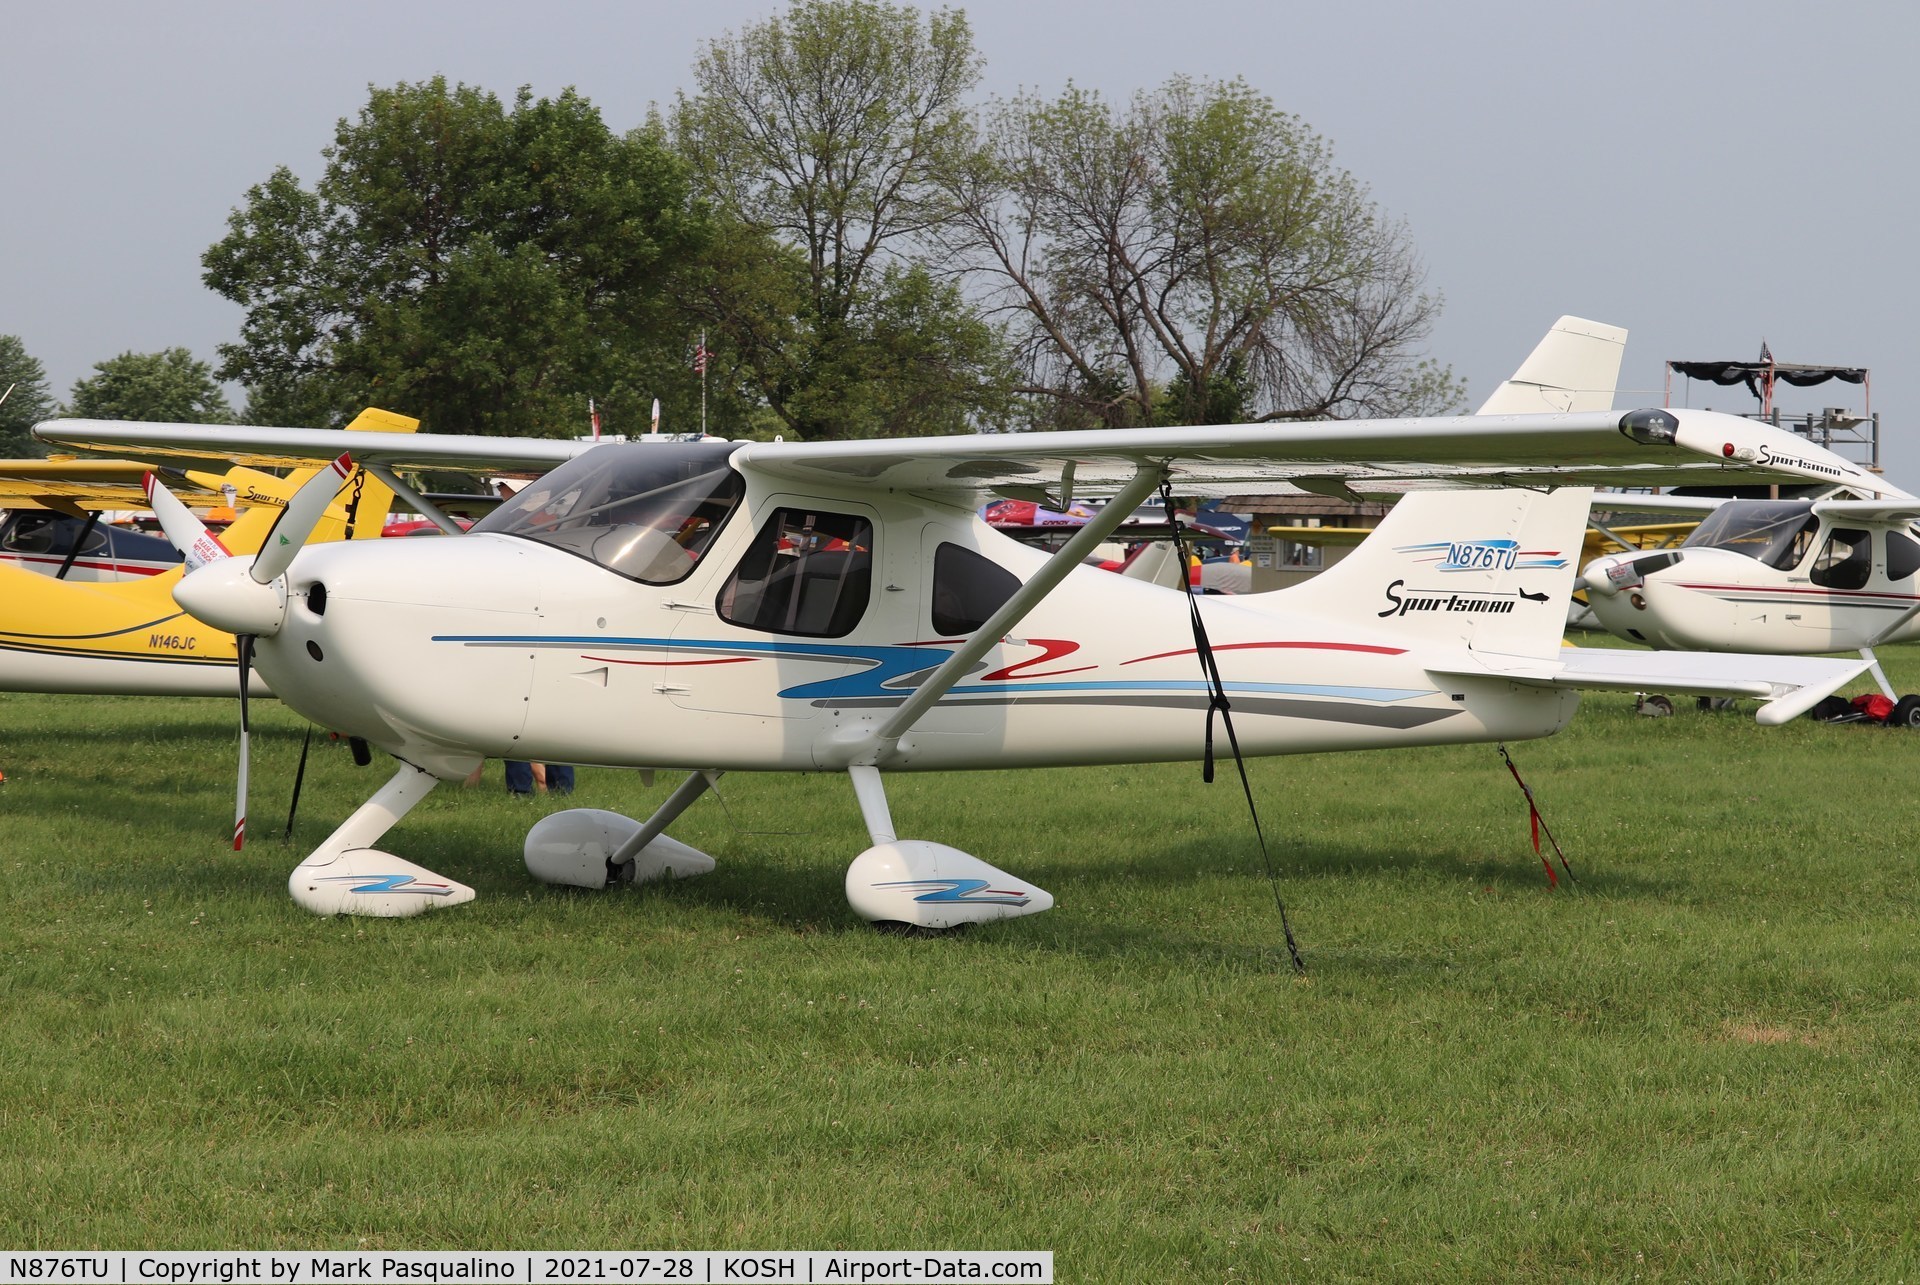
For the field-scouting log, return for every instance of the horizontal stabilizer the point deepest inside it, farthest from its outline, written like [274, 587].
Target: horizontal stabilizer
[1791, 684]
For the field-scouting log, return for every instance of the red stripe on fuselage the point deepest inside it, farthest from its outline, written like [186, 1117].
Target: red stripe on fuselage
[1256, 646]
[1814, 592]
[124, 568]
[1051, 649]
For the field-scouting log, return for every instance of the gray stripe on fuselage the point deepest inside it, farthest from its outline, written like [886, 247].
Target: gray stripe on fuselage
[1274, 707]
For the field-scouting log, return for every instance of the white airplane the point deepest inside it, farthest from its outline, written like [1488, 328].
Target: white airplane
[1777, 577]
[839, 607]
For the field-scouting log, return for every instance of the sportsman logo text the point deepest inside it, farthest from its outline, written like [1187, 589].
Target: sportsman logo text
[1401, 601]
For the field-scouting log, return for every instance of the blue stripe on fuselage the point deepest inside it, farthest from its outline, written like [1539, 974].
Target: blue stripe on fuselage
[890, 663]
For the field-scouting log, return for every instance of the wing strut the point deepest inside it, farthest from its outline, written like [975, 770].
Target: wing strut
[878, 745]
[79, 541]
[422, 505]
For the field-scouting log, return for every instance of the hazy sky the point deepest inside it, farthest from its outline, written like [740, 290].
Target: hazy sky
[1706, 175]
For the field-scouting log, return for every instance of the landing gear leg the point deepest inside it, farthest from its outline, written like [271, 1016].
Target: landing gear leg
[346, 875]
[1879, 674]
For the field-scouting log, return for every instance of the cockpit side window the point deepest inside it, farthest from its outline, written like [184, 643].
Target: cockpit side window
[1791, 553]
[1845, 561]
[967, 589]
[646, 511]
[807, 572]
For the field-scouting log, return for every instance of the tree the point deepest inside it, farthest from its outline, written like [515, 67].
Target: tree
[26, 405]
[1195, 259]
[825, 137]
[485, 269]
[168, 386]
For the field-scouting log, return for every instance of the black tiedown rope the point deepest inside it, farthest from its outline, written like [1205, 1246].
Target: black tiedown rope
[1217, 704]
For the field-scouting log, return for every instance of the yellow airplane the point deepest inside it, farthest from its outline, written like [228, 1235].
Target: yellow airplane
[128, 637]
[50, 514]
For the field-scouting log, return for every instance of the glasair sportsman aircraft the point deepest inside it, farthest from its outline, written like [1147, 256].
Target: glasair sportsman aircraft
[129, 637]
[1777, 577]
[840, 607]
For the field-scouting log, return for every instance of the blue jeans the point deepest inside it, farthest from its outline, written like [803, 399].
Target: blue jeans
[520, 777]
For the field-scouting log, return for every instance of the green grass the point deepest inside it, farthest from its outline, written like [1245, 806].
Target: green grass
[1698, 1063]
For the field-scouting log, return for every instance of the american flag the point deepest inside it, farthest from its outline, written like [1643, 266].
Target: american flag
[701, 356]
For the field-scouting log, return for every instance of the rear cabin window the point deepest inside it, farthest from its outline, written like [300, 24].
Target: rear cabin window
[807, 572]
[1903, 556]
[967, 589]
[1845, 561]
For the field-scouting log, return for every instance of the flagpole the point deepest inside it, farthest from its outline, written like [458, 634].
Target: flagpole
[703, 381]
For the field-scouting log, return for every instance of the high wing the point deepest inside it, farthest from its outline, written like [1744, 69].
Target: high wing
[1590, 448]
[1634, 448]
[1889, 512]
[262, 447]
[74, 487]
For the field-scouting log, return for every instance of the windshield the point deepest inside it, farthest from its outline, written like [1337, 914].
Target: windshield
[646, 510]
[1776, 532]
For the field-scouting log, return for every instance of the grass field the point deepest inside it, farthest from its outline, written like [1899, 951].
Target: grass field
[1698, 1063]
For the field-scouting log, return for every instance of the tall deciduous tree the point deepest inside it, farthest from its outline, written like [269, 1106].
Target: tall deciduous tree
[27, 404]
[1196, 258]
[169, 386]
[487, 269]
[827, 135]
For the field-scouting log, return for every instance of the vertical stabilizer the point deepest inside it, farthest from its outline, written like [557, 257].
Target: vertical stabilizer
[1575, 368]
[1491, 569]
[366, 498]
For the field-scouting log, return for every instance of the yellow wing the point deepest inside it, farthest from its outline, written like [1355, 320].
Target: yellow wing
[129, 636]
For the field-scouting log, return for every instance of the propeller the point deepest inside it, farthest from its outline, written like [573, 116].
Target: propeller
[246, 596]
[302, 514]
[189, 534]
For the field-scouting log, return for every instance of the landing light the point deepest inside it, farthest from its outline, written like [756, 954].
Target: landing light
[1650, 427]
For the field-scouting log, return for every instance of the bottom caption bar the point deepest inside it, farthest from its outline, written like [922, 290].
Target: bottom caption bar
[702, 1267]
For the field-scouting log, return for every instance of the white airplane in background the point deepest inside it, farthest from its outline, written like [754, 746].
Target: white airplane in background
[1777, 577]
[839, 607]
